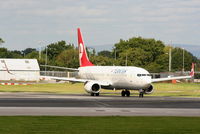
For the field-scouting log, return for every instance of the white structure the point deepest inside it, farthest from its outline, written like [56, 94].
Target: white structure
[19, 70]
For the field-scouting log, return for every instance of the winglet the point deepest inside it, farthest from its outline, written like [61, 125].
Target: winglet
[83, 58]
[192, 70]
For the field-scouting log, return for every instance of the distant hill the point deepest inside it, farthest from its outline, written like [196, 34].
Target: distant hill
[102, 47]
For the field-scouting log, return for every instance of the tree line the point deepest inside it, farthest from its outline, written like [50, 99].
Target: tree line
[150, 54]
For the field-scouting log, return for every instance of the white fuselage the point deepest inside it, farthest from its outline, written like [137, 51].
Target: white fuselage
[131, 78]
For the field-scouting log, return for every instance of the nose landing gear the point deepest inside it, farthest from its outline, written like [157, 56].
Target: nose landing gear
[94, 94]
[141, 93]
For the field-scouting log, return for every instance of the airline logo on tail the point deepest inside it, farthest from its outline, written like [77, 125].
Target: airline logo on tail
[192, 70]
[83, 58]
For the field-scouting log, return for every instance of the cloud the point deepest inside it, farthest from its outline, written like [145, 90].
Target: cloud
[166, 11]
[65, 11]
[50, 8]
[104, 22]
[17, 4]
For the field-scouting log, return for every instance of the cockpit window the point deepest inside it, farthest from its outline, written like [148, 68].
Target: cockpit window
[139, 75]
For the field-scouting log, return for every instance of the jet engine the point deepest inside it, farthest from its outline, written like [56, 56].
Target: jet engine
[92, 87]
[149, 90]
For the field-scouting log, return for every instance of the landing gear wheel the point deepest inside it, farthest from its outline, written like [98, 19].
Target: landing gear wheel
[97, 94]
[141, 95]
[128, 93]
[92, 94]
[123, 93]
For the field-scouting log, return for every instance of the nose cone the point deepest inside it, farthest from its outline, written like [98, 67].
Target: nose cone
[147, 82]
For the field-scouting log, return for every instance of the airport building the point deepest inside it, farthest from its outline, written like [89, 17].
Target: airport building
[19, 70]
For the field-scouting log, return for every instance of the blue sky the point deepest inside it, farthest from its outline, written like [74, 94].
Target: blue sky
[35, 23]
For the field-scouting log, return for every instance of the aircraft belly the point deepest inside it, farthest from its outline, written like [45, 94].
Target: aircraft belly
[126, 84]
[120, 83]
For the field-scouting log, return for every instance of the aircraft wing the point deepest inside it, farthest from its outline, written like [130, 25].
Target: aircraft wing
[65, 68]
[75, 80]
[176, 78]
[171, 78]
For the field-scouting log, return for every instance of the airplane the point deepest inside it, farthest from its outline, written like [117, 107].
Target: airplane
[123, 78]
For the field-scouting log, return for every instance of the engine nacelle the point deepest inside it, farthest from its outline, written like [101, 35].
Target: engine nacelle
[92, 87]
[149, 90]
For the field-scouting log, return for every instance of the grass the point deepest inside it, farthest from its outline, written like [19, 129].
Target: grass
[177, 90]
[45, 88]
[161, 89]
[98, 125]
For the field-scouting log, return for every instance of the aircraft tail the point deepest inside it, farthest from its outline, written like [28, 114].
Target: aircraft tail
[192, 70]
[83, 58]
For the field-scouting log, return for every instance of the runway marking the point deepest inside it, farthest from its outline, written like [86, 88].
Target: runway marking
[100, 110]
[101, 104]
[58, 111]
[126, 111]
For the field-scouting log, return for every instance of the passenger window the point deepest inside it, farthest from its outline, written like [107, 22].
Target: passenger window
[138, 75]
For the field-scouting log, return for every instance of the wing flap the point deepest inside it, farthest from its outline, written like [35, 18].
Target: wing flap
[102, 83]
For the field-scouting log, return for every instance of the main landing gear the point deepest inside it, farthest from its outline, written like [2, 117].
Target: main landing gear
[125, 93]
[94, 94]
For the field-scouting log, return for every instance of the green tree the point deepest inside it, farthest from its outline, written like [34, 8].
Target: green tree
[161, 63]
[154, 67]
[101, 60]
[177, 59]
[68, 58]
[1, 41]
[140, 52]
[15, 54]
[134, 56]
[55, 49]
[154, 47]
[4, 53]
[105, 53]
[27, 51]
[32, 55]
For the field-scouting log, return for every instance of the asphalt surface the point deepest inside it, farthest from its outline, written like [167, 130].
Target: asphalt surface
[83, 105]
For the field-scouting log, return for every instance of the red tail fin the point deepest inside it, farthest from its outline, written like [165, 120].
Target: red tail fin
[83, 58]
[192, 70]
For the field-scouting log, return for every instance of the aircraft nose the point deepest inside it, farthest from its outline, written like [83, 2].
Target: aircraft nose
[147, 81]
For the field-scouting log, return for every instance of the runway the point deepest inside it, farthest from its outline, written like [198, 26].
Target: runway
[84, 105]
